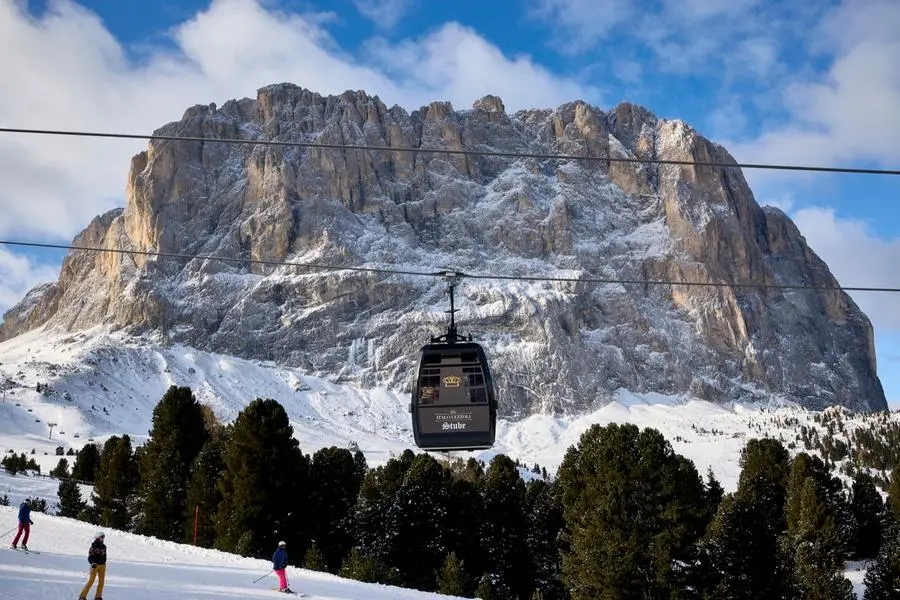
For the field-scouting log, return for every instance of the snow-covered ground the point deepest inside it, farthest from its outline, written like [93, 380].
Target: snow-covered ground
[142, 568]
[103, 384]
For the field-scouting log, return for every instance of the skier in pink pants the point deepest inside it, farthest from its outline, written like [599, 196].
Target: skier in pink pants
[25, 524]
[279, 564]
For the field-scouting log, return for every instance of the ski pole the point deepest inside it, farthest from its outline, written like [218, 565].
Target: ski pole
[9, 532]
[266, 575]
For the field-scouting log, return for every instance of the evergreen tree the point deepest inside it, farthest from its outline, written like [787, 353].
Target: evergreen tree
[203, 490]
[805, 466]
[817, 543]
[633, 509]
[714, 492]
[485, 590]
[465, 516]
[361, 567]
[504, 530]
[335, 479]
[882, 581]
[87, 461]
[452, 580]
[741, 558]
[177, 435]
[376, 496]
[416, 526]
[868, 511]
[546, 524]
[765, 464]
[61, 470]
[116, 483]
[314, 560]
[70, 501]
[263, 484]
[893, 500]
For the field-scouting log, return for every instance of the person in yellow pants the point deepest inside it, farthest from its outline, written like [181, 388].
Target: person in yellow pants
[97, 558]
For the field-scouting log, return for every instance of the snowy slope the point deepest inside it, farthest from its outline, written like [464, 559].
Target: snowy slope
[107, 384]
[102, 384]
[142, 568]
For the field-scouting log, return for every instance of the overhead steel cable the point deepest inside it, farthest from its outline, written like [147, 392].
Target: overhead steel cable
[443, 273]
[461, 152]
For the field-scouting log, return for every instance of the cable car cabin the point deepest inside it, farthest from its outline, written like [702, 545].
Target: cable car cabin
[454, 406]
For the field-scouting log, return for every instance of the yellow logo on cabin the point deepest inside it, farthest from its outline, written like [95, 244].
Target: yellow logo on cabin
[452, 381]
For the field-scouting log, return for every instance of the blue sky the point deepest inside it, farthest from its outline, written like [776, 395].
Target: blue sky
[790, 82]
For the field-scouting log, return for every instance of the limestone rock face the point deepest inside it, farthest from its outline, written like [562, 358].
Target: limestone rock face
[555, 347]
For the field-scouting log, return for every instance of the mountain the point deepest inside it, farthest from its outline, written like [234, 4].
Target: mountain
[555, 347]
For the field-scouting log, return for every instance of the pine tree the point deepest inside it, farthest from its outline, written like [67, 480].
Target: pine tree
[893, 500]
[633, 509]
[816, 540]
[451, 579]
[314, 560]
[765, 464]
[546, 524]
[714, 492]
[415, 524]
[177, 435]
[263, 485]
[203, 490]
[70, 501]
[361, 567]
[87, 461]
[868, 511]
[485, 590]
[376, 496]
[61, 470]
[882, 581]
[334, 485]
[504, 530]
[116, 483]
[831, 491]
[465, 517]
[741, 558]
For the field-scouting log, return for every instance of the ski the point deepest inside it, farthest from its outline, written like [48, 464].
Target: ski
[301, 594]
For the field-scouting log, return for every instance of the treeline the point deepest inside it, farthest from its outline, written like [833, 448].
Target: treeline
[625, 517]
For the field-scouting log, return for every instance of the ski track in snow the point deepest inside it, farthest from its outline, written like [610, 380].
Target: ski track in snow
[143, 568]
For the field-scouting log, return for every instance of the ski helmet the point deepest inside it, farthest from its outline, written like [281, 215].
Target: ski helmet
[100, 535]
[282, 544]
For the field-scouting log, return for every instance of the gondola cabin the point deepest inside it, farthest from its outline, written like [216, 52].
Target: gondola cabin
[454, 405]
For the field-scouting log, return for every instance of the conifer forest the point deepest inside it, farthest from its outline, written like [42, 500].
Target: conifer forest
[624, 517]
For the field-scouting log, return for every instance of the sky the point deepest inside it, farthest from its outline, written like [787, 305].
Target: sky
[807, 83]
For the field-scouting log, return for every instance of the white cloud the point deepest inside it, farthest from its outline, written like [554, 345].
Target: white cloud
[64, 70]
[857, 258]
[385, 13]
[783, 202]
[850, 113]
[18, 274]
[582, 23]
[457, 63]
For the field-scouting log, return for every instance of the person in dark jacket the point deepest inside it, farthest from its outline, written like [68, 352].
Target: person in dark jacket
[97, 558]
[279, 564]
[25, 524]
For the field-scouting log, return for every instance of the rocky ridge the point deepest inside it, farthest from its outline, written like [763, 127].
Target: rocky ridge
[555, 347]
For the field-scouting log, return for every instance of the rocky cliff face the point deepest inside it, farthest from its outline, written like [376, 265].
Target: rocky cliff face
[555, 347]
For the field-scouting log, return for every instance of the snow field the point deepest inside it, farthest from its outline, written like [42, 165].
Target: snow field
[143, 568]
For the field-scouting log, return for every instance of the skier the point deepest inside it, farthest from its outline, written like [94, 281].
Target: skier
[97, 558]
[279, 564]
[25, 524]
